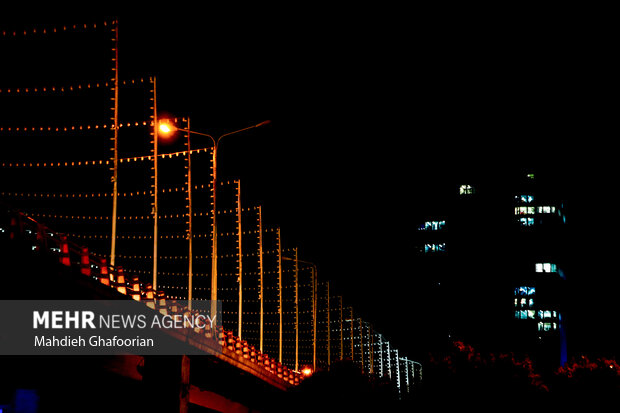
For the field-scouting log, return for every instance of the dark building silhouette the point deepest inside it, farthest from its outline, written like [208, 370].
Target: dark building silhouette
[490, 265]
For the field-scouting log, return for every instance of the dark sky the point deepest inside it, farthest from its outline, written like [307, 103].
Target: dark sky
[370, 108]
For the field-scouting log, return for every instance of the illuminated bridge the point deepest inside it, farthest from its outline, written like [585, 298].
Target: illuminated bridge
[99, 207]
[67, 271]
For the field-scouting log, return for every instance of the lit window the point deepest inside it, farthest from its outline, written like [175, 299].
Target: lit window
[525, 302]
[432, 225]
[430, 248]
[526, 222]
[526, 199]
[525, 290]
[525, 210]
[546, 267]
[546, 210]
[466, 190]
[547, 314]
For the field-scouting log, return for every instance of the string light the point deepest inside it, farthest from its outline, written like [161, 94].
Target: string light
[67, 164]
[57, 29]
[72, 128]
[229, 276]
[78, 87]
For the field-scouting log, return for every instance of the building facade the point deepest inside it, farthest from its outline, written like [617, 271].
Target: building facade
[489, 263]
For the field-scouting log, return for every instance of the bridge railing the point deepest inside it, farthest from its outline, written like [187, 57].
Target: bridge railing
[18, 226]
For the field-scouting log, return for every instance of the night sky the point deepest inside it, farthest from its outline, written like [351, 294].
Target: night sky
[372, 110]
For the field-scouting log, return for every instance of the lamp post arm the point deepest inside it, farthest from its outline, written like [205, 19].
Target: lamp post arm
[217, 141]
[241, 130]
[198, 133]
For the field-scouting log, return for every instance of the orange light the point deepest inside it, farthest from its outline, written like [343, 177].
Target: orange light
[165, 127]
[306, 371]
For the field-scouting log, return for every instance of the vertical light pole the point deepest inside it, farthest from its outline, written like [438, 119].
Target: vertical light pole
[361, 344]
[155, 210]
[329, 330]
[314, 310]
[190, 217]
[352, 336]
[381, 372]
[341, 332]
[115, 150]
[240, 257]
[314, 304]
[371, 354]
[260, 277]
[214, 230]
[296, 310]
[388, 362]
[280, 330]
[167, 127]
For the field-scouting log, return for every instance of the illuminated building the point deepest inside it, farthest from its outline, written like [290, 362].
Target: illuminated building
[538, 274]
[489, 266]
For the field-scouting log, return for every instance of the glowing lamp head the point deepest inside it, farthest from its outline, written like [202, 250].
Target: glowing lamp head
[306, 371]
[166, 127]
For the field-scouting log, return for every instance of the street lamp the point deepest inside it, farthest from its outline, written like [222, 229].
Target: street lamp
[166, 127]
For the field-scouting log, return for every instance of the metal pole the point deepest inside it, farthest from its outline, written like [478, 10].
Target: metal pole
[381, 372]
[279, 294]
[329, 330]
[261, 273]
[240, 257]
[155, 183]
[361, 344]
[352, 337]
[296, 310]
[388, 361]
[371, 347]
[314, 284]
[214, 235]
[115, 149]
[190, 216]
[341, 332]
[314, 309]
[406, 363]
